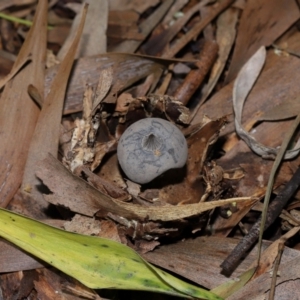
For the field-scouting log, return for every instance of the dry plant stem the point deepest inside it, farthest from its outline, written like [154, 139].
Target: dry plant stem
[184, 40]
[195, 77]
[275, 271]
[274, 210]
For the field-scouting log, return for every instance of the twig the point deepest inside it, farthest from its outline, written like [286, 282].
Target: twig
[275, 271]
[273, 212]
[195, 77]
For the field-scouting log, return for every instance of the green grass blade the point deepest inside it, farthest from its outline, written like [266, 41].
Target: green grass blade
[96, 262]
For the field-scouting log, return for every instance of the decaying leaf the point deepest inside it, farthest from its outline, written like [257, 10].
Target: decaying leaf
[225, 35]
[242, 86]
[19, 113]
[146, 27]
[271, 17]
[48, 123]
[283, 111]
[157, 43]
[84, 199]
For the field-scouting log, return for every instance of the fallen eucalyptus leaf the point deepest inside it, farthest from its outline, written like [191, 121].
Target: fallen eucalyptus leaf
[96, 262]
[282, 111]
[76, 194]
[242, 86]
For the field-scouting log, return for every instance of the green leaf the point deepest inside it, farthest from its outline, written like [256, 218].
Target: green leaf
[96, 262]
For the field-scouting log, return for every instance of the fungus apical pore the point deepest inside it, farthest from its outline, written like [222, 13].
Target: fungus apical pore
[149, 147]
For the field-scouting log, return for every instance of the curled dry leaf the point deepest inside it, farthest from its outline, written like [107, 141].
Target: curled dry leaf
[84, 199]
[242, 86]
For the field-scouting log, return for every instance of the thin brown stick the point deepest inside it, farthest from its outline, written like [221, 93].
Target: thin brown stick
[195, 77]
[274, 211]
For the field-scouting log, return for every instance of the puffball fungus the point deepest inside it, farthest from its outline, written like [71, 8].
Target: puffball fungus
[149, 147]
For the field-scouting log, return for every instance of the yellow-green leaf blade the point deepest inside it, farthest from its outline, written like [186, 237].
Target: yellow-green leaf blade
[96, 262]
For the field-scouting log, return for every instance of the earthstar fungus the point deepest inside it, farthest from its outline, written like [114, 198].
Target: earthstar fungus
[149, 147]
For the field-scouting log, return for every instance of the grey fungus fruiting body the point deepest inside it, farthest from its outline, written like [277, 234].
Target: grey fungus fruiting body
[149, 147]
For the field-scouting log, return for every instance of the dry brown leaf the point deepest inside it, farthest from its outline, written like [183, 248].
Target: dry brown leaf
[93, 39]
[261, 285]
[157, 43]
[48, 124]
[127, 69]
[225, 37]
[123, 25]
[269, 255]
[103, 87]
[105, 186]
[139, 6]
[282, 111]
[111, 172]
[12, 259]
[269, 19]
[199, 259]
[146, 27]
[83, 225]
[186, 186]
[84, 199]
[19, 113]
[8, 3]
[242, 86]
[194, 32]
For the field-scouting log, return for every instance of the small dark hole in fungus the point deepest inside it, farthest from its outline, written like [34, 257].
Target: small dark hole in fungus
[151, 142]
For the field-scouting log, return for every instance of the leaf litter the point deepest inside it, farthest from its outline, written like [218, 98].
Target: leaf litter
[80, 187]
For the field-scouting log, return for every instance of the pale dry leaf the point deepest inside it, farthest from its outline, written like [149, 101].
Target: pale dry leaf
[139, 6]
[90, 44]
[225, 36]
[83, 225]
[269, 255]
[269, 20]
[156, 45]
[282, 111]
[176, 7]
[84, 199]
[93, 39]
[255, 288]
[48, 124]
[20, 62]
[19, 113]
[8, 3]
[146, 28]
[242, 87]
[103, 87]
